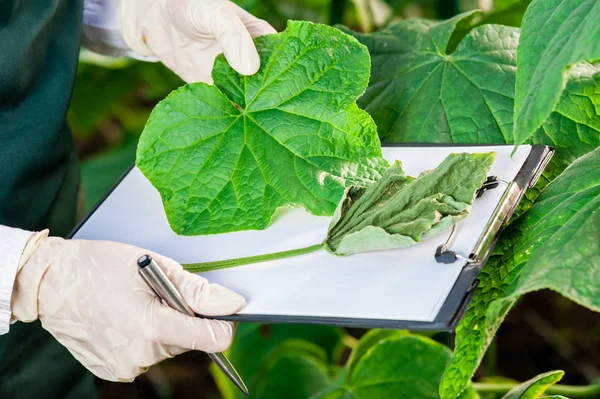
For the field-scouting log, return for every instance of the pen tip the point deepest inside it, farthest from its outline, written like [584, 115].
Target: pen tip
[240, 384]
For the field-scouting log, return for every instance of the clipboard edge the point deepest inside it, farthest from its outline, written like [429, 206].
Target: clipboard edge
[463, 290]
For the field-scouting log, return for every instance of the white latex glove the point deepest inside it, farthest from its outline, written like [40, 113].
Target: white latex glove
[90, 296]
[187, 35]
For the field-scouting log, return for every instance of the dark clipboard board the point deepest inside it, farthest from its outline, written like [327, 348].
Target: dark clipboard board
[456, 303]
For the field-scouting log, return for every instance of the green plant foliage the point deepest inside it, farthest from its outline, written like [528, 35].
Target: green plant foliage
[555, 35]
[224, 157]
[120, 89]
[573, 129]
[509, 13]
[536, 386]
[296, 370]
[367, 341]
[550, 246]
[397, 210]
[419, 93]
[392, 365]
[255, 342]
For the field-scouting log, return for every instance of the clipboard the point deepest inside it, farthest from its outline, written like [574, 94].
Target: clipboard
[400, 289]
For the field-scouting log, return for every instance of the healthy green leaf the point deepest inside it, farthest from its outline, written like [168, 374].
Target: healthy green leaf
[367, 341]
[420, 93]
[573, 129]
[536, 386]
[394, 366]
[551, 246]
[397, 211]
[295, 370]
[224, 157]
[555, 35]
[254, 342]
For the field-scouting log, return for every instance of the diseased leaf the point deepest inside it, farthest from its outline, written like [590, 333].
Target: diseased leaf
[394, 366]
[394, 212]
[554, 245]
[224, 157]
[397, 211]
[555, 35]
[536, 386]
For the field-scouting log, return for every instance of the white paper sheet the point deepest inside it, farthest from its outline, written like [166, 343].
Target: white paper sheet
[404, 284]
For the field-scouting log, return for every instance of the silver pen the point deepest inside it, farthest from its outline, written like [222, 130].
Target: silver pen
[164, 288]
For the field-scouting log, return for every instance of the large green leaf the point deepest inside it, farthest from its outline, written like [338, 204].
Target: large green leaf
[508, 12]
[555, 35]
[254, 342]
[398, 210]
[294, 370]
[224, 157]
[535, 387]
[554, 245]
[392, 365]
[420, 93]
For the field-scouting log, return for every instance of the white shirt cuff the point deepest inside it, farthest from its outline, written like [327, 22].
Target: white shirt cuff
[102, 30]
[12, 244]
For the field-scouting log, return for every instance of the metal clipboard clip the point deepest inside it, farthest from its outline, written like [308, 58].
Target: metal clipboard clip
[443, 254]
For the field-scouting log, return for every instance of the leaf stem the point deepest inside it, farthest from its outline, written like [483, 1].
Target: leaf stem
[566, 390]
[223, 264]
[349, 341]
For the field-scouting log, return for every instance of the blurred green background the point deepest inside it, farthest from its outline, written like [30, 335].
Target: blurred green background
[111, 102]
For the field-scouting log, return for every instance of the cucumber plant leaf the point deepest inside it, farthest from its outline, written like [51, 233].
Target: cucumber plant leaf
[420, 93]
[262, 340]
[224, 157]
[295, 369]
[394, 212]
[398, 210]
[392, 365]
[536, 386]
[550, 246]
[555, 35]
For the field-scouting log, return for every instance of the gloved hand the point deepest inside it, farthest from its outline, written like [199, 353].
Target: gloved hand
[90, 296]
[187, 35]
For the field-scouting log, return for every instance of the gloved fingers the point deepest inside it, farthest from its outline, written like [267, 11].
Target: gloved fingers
[256, 27]
[172, 328]
[204, 298]
[236, 42]
[188, 67]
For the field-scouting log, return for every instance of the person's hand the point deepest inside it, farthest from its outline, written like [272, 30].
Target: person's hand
[90, 296]
[187, 35]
